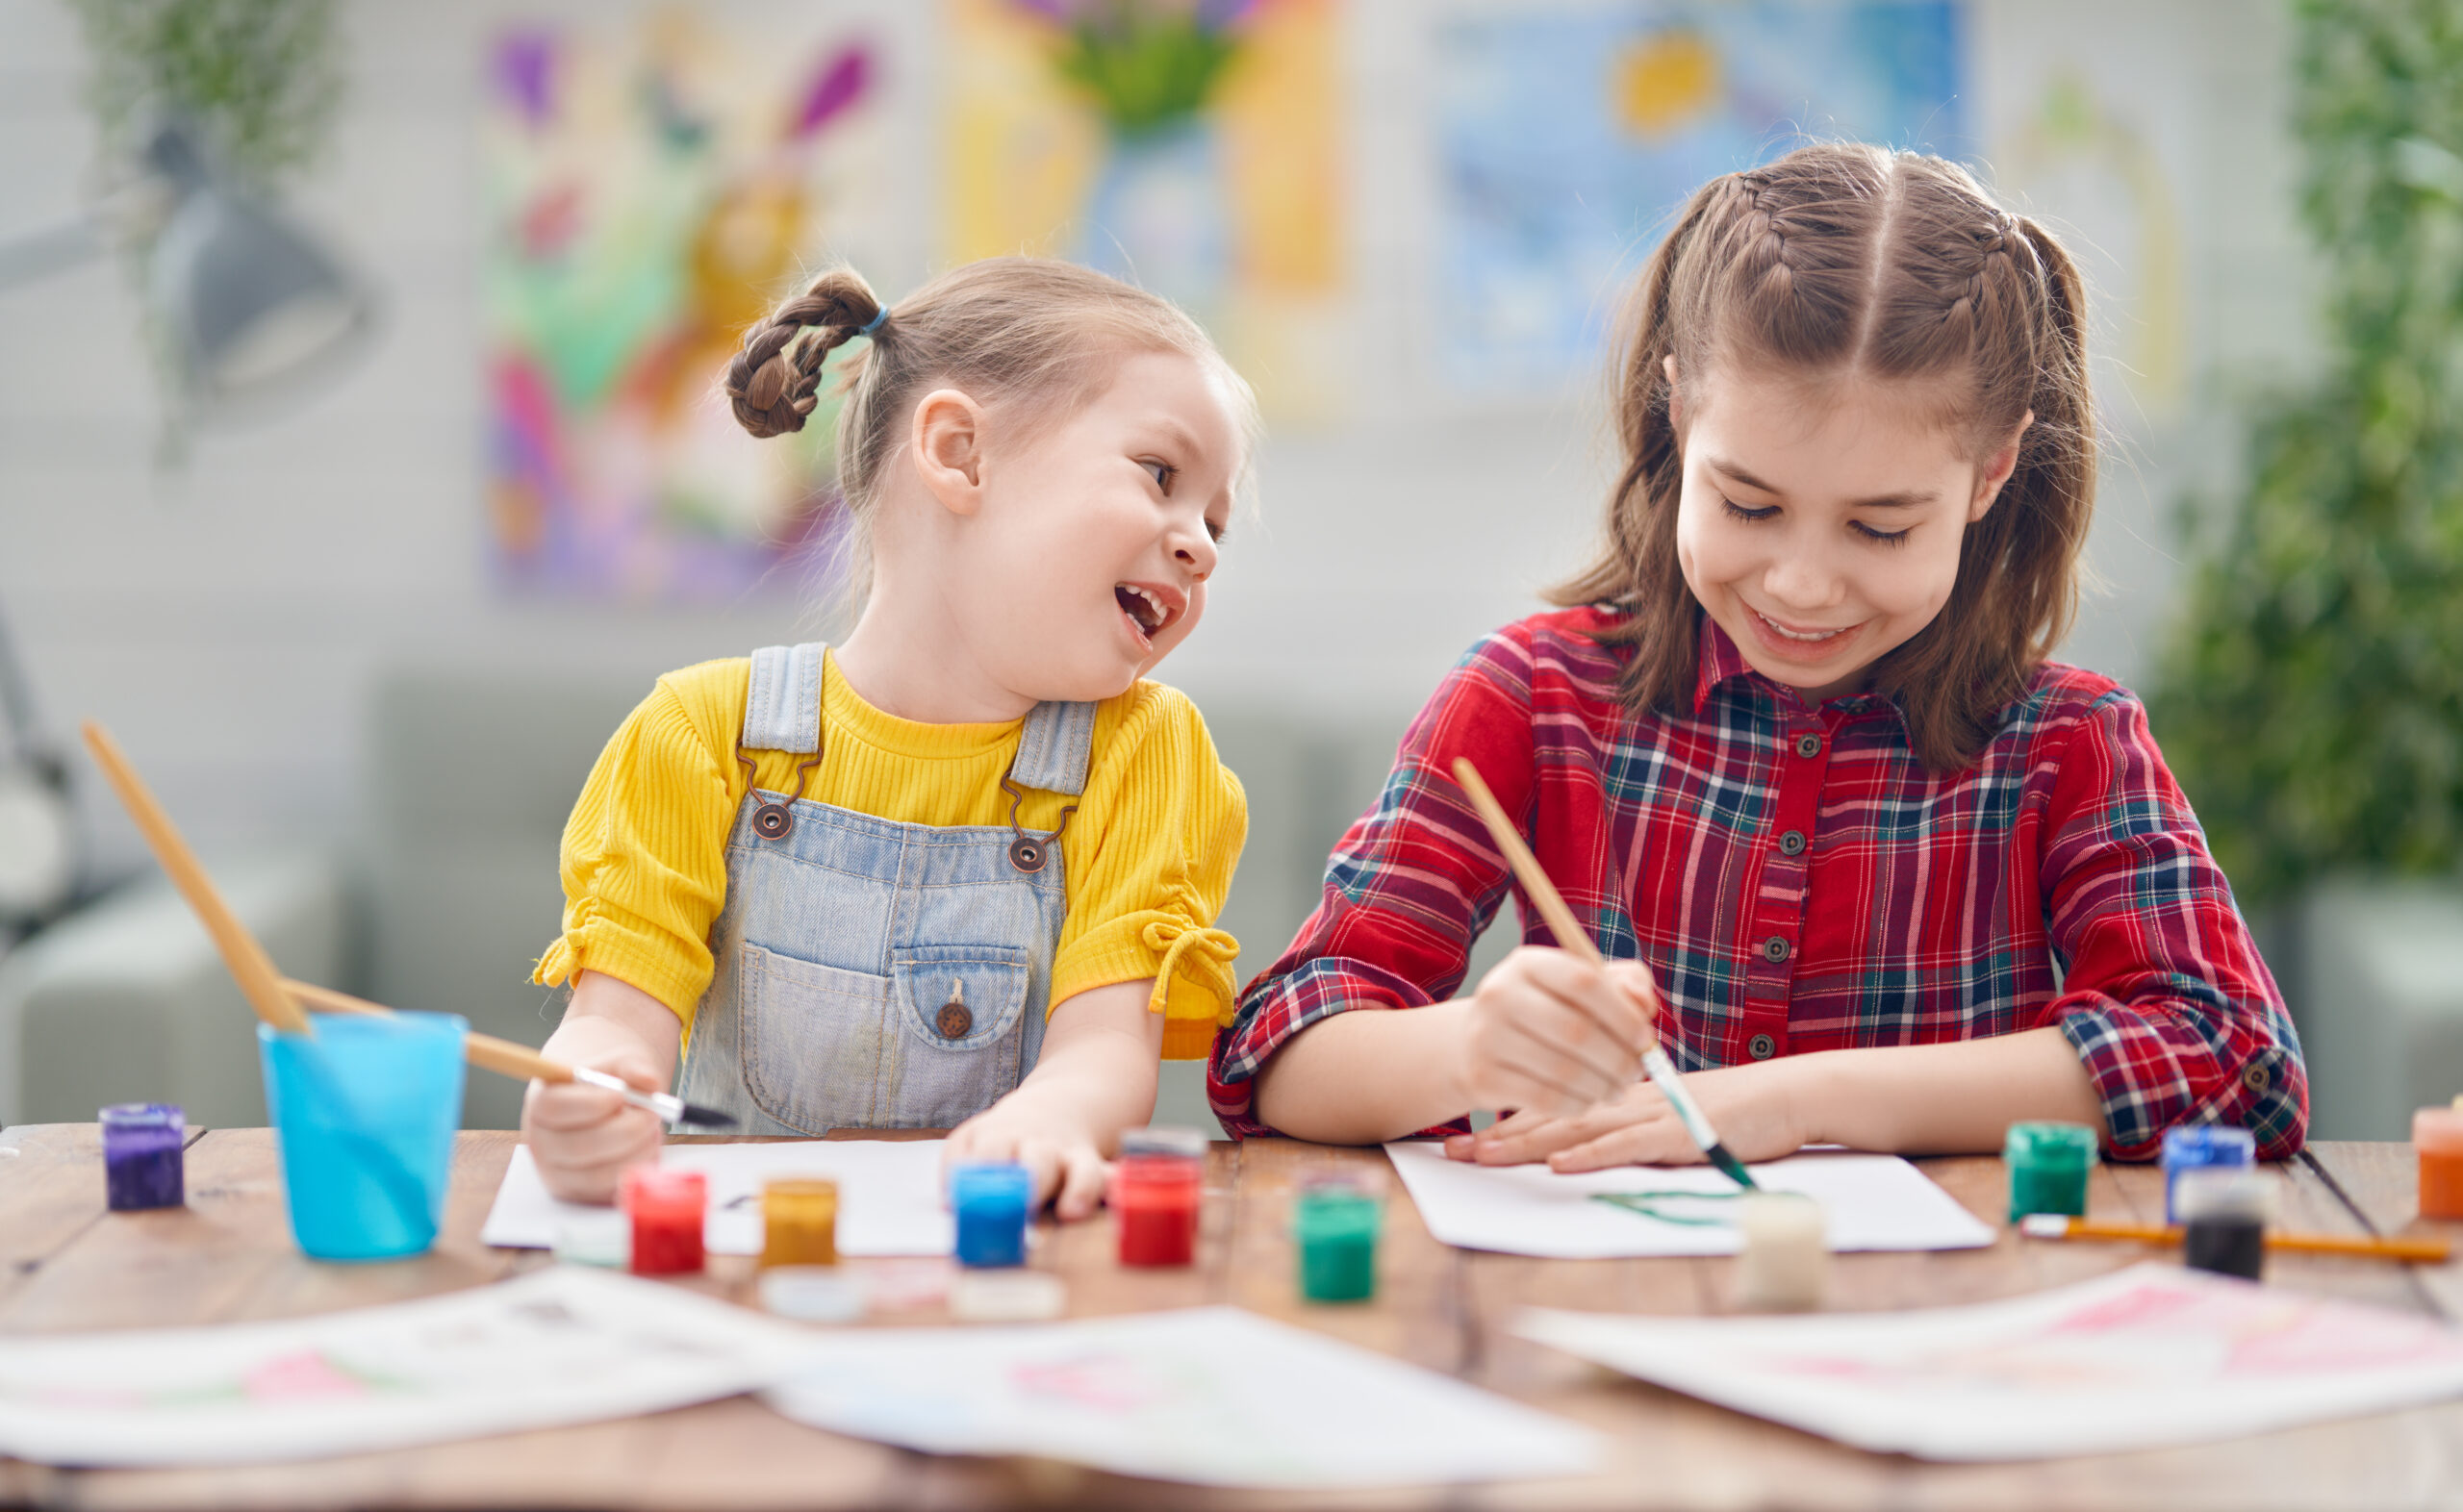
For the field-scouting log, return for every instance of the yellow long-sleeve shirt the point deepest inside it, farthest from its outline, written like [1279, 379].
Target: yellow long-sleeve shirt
[1149, 851]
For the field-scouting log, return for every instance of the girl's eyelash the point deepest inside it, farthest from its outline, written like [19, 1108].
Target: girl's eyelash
[1164, 472]
[1739, 512]
[1217, 532]
[1889, 538]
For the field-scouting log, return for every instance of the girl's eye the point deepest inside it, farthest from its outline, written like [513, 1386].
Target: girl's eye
[1163, 472]
[1214, 532]
[1737, 510]
[1894, 537]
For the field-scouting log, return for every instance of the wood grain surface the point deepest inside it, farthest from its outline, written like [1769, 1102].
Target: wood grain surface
[67, 1265]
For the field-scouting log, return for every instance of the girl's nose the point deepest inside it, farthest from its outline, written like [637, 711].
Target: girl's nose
[1195, 551]
[1803, 580]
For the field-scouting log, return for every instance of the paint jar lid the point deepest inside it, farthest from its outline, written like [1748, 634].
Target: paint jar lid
[819, 1293]
[1780, 1218]
[2439, 1130]
[142, 1116]
[2224, 1194]
[1162, 1141]
[1000, 1181]
[2209, 1144]
[1335, 1206]
[662, 1186]
[2061, 1145]
[599, 1237]
[1006, 1296]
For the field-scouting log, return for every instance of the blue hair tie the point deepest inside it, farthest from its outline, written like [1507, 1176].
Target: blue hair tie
[874, 323]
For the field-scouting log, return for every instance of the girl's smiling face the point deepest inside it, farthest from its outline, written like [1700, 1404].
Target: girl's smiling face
[1821, 525]
[1081, 548]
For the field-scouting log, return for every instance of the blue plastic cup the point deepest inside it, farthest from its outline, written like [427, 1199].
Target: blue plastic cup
[364, 1112]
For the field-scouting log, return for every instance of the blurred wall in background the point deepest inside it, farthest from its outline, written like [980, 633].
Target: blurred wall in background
[227, 616]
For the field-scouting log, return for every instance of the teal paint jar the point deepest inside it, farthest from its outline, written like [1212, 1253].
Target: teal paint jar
[1334, 1226]
[2048, 1165]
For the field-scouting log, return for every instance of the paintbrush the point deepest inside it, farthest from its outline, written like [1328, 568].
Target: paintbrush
[521, 1062]
[1570, 935]
[249, 965]
[2415, 1251]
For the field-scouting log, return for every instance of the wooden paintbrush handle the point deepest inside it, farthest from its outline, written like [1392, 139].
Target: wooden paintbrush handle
[483, 1050]
[249, 965]
[1536, 886]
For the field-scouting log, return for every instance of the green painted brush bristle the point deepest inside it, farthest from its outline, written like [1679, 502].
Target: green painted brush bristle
[1734, 1167]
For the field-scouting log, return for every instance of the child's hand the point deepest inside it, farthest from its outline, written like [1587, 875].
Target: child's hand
[1754, 1108]
[1552, 1035]
[1067, 1166]
[583, 1137]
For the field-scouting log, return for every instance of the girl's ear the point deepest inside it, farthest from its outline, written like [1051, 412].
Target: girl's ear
[947, 446]
[1675, 421]
[1997, 468]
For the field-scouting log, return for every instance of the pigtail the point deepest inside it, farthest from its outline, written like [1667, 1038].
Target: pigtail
[773, 384]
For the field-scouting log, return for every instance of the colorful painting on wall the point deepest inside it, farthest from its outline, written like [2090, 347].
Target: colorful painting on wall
[1190, 146]
[1567, 138]
[651, 188]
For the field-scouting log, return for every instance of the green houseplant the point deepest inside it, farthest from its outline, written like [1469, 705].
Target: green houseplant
[2311, 698]
[259, 79]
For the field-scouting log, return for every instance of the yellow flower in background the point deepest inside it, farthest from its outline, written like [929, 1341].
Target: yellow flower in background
[1665, 81]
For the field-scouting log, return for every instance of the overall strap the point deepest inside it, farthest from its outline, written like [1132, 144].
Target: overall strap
[782, 708]
[1054, 747]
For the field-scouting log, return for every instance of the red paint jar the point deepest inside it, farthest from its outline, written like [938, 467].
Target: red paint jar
[1156, 1194]
[666, 1207]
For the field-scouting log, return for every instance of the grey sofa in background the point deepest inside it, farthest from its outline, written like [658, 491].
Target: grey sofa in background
[448, 891]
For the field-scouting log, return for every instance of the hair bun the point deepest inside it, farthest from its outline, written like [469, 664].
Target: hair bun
[773, 384]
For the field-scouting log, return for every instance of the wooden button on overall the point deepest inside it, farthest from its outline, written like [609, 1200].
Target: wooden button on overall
[955, 1018]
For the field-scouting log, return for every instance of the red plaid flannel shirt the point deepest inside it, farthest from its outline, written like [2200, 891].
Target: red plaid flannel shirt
[1797, 881]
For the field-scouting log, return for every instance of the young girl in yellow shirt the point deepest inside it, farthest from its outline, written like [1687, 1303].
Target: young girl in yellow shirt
[963, 868]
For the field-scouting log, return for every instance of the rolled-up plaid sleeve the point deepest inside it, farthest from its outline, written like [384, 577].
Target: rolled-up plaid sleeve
[2163, 993]
[1411, 888]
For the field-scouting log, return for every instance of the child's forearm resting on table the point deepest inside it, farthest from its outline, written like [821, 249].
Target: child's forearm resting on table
[1368, 1075]
[1095, 1076]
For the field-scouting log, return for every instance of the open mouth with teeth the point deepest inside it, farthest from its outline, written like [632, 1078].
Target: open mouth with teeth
[1148, 612]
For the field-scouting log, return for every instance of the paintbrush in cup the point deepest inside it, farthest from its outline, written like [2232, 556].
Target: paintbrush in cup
[1573, 938]
[249, 965]
[521, 1062]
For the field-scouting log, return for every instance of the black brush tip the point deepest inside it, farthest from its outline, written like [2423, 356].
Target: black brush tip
[1734, 1167]
[708, 1117]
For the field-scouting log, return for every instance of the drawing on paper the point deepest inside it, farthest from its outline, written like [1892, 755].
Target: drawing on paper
[1567, 136]
[651, 189]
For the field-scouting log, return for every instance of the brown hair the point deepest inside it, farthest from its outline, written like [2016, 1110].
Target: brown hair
[1848, 262]
[1004, 329]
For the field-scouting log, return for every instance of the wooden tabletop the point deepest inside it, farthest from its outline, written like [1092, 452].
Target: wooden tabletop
[68, 1265]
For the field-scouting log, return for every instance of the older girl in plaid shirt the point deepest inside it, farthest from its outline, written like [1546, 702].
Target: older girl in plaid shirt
[1874, 868]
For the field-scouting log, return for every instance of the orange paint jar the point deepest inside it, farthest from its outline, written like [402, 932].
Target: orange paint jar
[2437, 1137]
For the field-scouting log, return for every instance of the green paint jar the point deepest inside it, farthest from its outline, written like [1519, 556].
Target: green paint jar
[1334, 1226]
[2048, 1165]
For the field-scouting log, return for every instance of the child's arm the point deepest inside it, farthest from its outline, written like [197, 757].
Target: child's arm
[583, 1137]
[1095, 1077]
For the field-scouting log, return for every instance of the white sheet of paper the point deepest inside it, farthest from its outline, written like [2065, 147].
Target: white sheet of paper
[1213, 1396]
[1868, 1203]
[558, 1346]
[889, 1196]
[2149, 1356]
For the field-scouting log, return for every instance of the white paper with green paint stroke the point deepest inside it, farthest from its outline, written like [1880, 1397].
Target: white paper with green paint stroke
[1867, 1202]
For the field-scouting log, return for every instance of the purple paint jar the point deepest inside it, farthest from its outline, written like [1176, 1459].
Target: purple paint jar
[142, 1156]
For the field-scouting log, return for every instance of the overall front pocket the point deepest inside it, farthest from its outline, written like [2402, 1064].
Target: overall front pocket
[819, 1051]
[959, 997]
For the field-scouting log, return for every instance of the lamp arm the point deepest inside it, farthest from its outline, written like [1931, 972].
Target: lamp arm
[28, 257]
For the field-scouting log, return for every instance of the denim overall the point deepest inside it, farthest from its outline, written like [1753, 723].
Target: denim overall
[870, 973]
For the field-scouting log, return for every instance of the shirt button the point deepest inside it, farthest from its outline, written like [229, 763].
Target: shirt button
[953, 1021]
[1792, 843]
[1762, 1046]
[2255, 1076]
[1807, 745]
[1775, 948]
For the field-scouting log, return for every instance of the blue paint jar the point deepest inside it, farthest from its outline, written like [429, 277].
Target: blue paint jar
[992, 1201]
[2201, 1147]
